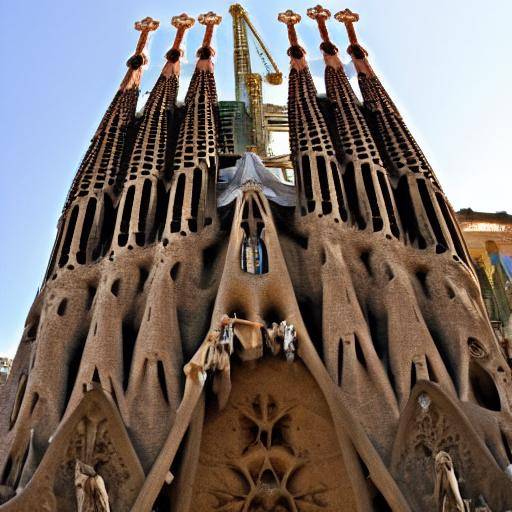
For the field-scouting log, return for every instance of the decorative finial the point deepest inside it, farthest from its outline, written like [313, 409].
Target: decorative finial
[318, 12]
[148, 24]
[144, 26]
[290, 19]
[348, 18]
[182, 23]
[355, 50]
[139, 59]
[209, 19]
[321, 15]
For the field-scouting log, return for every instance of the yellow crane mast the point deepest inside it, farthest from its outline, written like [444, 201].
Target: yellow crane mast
[249, 85]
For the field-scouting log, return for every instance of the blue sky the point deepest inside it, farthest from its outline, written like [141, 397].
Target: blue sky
[446, 64]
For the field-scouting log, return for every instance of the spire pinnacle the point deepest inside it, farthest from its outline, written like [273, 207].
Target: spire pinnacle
[321, 15]
[355, 50]
[182, 23]
[209, 20]
[349, 18]
[139, 59]
[290, 19]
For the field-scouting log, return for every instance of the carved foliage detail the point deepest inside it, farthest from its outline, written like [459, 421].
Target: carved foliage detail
[278, 451]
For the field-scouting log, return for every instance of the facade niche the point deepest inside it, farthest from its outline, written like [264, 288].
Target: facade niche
[254, 258]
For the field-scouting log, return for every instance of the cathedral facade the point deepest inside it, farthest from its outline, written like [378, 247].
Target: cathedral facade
[211, 338]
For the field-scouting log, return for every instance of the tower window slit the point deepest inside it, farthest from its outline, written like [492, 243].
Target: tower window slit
[73, 367]
[178, 204]
[384, 186]
[81, 256]
[129, 332]
[339, 192]
[432, 215]
[322, 177]
[125, 219]
[407, 213]
[306, 177]
[162, 203]
[107, 228]
[197, 184]
[457, 242]
[140, 237]
[352, 197]
[69, 237]
[372, 197]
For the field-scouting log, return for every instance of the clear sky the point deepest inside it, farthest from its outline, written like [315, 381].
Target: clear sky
[446, 64]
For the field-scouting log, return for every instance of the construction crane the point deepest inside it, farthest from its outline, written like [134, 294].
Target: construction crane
[249, 85]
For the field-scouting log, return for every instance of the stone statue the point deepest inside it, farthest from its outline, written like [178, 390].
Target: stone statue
[446, 491]
[91, 493]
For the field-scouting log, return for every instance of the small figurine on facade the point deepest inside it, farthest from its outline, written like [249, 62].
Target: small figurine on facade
[91, 493]
[447, 494]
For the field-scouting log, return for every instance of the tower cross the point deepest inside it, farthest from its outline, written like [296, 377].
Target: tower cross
[320, 15]
[144, 26]
[209, 19]
[182, 23]
[138, 59]
[349, 18]
[290, 19]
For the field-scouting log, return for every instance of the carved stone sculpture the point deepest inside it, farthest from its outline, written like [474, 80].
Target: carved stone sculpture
[91, 494]
[447, 487]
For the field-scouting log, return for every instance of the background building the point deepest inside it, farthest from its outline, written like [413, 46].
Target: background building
[489, 240]
[5, 368]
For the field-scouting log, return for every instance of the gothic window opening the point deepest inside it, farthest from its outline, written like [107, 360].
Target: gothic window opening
[125, 219]
[73, 367]
[407, 213]
[178, 204]
[324, 185]
[130, 333]
[197, 186]
[459, 249]
[352, 197]
[378, 224]
[81, 256]
[254, 258]
[143, 230]
[384, 186]
[432, 216]
[64, 256]
[339, 192]
[107, 228]
[306, 180]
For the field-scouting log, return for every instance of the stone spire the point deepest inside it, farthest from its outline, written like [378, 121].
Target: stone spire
[319, 186]
[364, 175]
[93, 194]
[192, 195]
[427, 218]
[136, 221]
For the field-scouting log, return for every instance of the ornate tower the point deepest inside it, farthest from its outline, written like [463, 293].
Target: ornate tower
[242, 344]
